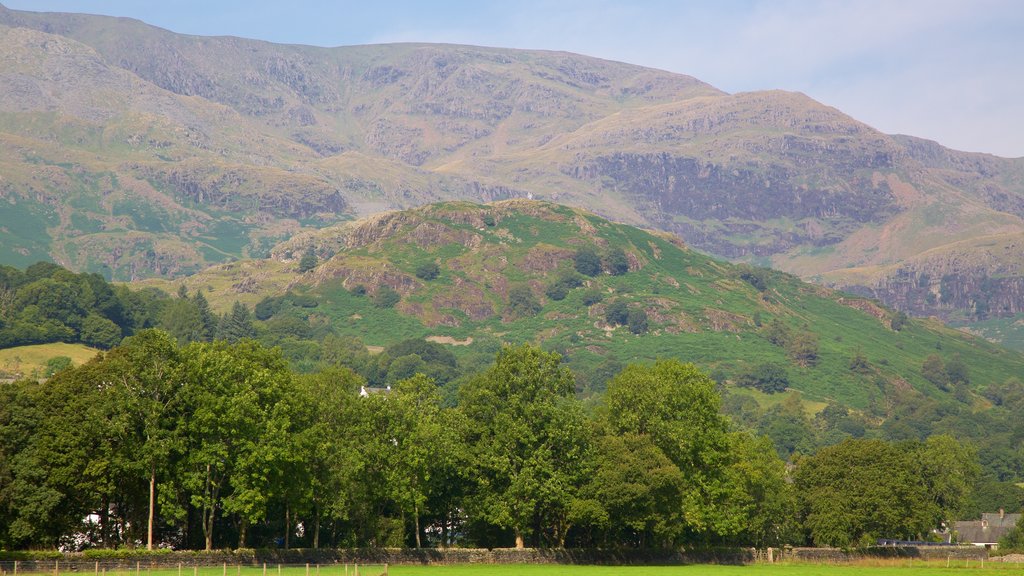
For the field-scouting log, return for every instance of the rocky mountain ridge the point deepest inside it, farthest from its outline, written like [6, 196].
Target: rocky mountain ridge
[200, 149]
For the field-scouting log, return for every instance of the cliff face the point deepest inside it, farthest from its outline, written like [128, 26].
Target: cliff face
[202, 150]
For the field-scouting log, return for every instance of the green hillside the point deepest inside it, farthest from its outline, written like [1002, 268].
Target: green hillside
[136, 152]
[500, 269]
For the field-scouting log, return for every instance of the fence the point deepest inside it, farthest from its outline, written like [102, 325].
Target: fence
[149, 568]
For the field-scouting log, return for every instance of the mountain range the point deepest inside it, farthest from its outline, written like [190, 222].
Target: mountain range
[137, 152]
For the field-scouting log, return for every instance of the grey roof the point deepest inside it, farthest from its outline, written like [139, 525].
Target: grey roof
[988, 530]
[997, 520]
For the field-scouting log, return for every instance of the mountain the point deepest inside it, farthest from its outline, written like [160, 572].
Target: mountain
[137, 152]
[476, 276]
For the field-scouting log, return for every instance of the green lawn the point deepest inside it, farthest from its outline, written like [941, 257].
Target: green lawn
[902, 567]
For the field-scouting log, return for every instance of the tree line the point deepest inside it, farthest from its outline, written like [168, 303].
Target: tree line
[219, 444]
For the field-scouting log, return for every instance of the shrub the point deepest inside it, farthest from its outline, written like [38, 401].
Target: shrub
[428, 271]
[587, 262]
[617, 262]
[768, 378]
[308, 260]
[617, 313]
[386, 297]
[266, 308]
[592, 296]
[637, 321]
[57, 364]
[303, 300]
[358, 290]
[557, 291]
[521, 301]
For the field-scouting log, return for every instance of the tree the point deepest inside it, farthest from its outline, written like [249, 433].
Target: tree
[1014, 539]
[530, 442]
[803, 348]
[100, 332]
[639, 489]
[587, 262]
[860, 490]
[428, 271]
[617, 262]
[521, 302]
[637, 321]
[617, 313]
[386, 297]
[676, 405]
[146, 369]
[308, 260]
[934, 371]
[949, 471]
[182, 320]
[237, 419]
[956, 371]
[206, 317]
[766, 377]
[761, 493]
[237, 325]
[328, 403]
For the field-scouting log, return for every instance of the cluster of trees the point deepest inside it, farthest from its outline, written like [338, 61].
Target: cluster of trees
[217, 444]
[588, 262]
[47, 303]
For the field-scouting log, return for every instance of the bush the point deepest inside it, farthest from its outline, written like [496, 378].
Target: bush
[266, 308]
[756, 277]
[768, 378]
[617, 262]
[100, 332]
[637, 321]
[557, 291]
[617, 313]
[428, 271]
[308, 260]
[521, 302]
[587, 262]
[592, 296]
[358, 290]
[303, 300]
[57, 364]
[386, 297]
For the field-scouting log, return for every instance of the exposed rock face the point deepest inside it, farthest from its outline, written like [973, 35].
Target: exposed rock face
[197, 148]
[740, 198]
[970, 294]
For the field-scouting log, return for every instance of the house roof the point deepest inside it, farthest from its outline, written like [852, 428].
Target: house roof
[999, 520]
[988, 530]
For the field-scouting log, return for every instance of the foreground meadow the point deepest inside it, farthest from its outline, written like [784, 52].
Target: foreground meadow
[904, 567]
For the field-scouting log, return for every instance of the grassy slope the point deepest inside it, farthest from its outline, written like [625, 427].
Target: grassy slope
[29, 360]
[699, 309]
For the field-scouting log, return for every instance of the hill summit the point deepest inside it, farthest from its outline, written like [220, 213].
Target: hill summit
[601, 293]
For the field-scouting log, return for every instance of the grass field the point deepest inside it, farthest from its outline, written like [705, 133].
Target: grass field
[31, 360]
[904, 567]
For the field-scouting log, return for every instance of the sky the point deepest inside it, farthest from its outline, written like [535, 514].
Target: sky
[946, 70]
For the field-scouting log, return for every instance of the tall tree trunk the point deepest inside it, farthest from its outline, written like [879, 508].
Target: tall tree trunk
[316, 529]
[444, 528]
[104, 523]
[208, 511]
[152, 505]
[416, 517]
[287, 525]
[242, 529]
[519, 540]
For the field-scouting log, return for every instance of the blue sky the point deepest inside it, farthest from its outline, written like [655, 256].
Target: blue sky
[948, 70]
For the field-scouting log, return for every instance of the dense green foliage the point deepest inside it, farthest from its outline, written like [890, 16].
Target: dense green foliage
[226, 446]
